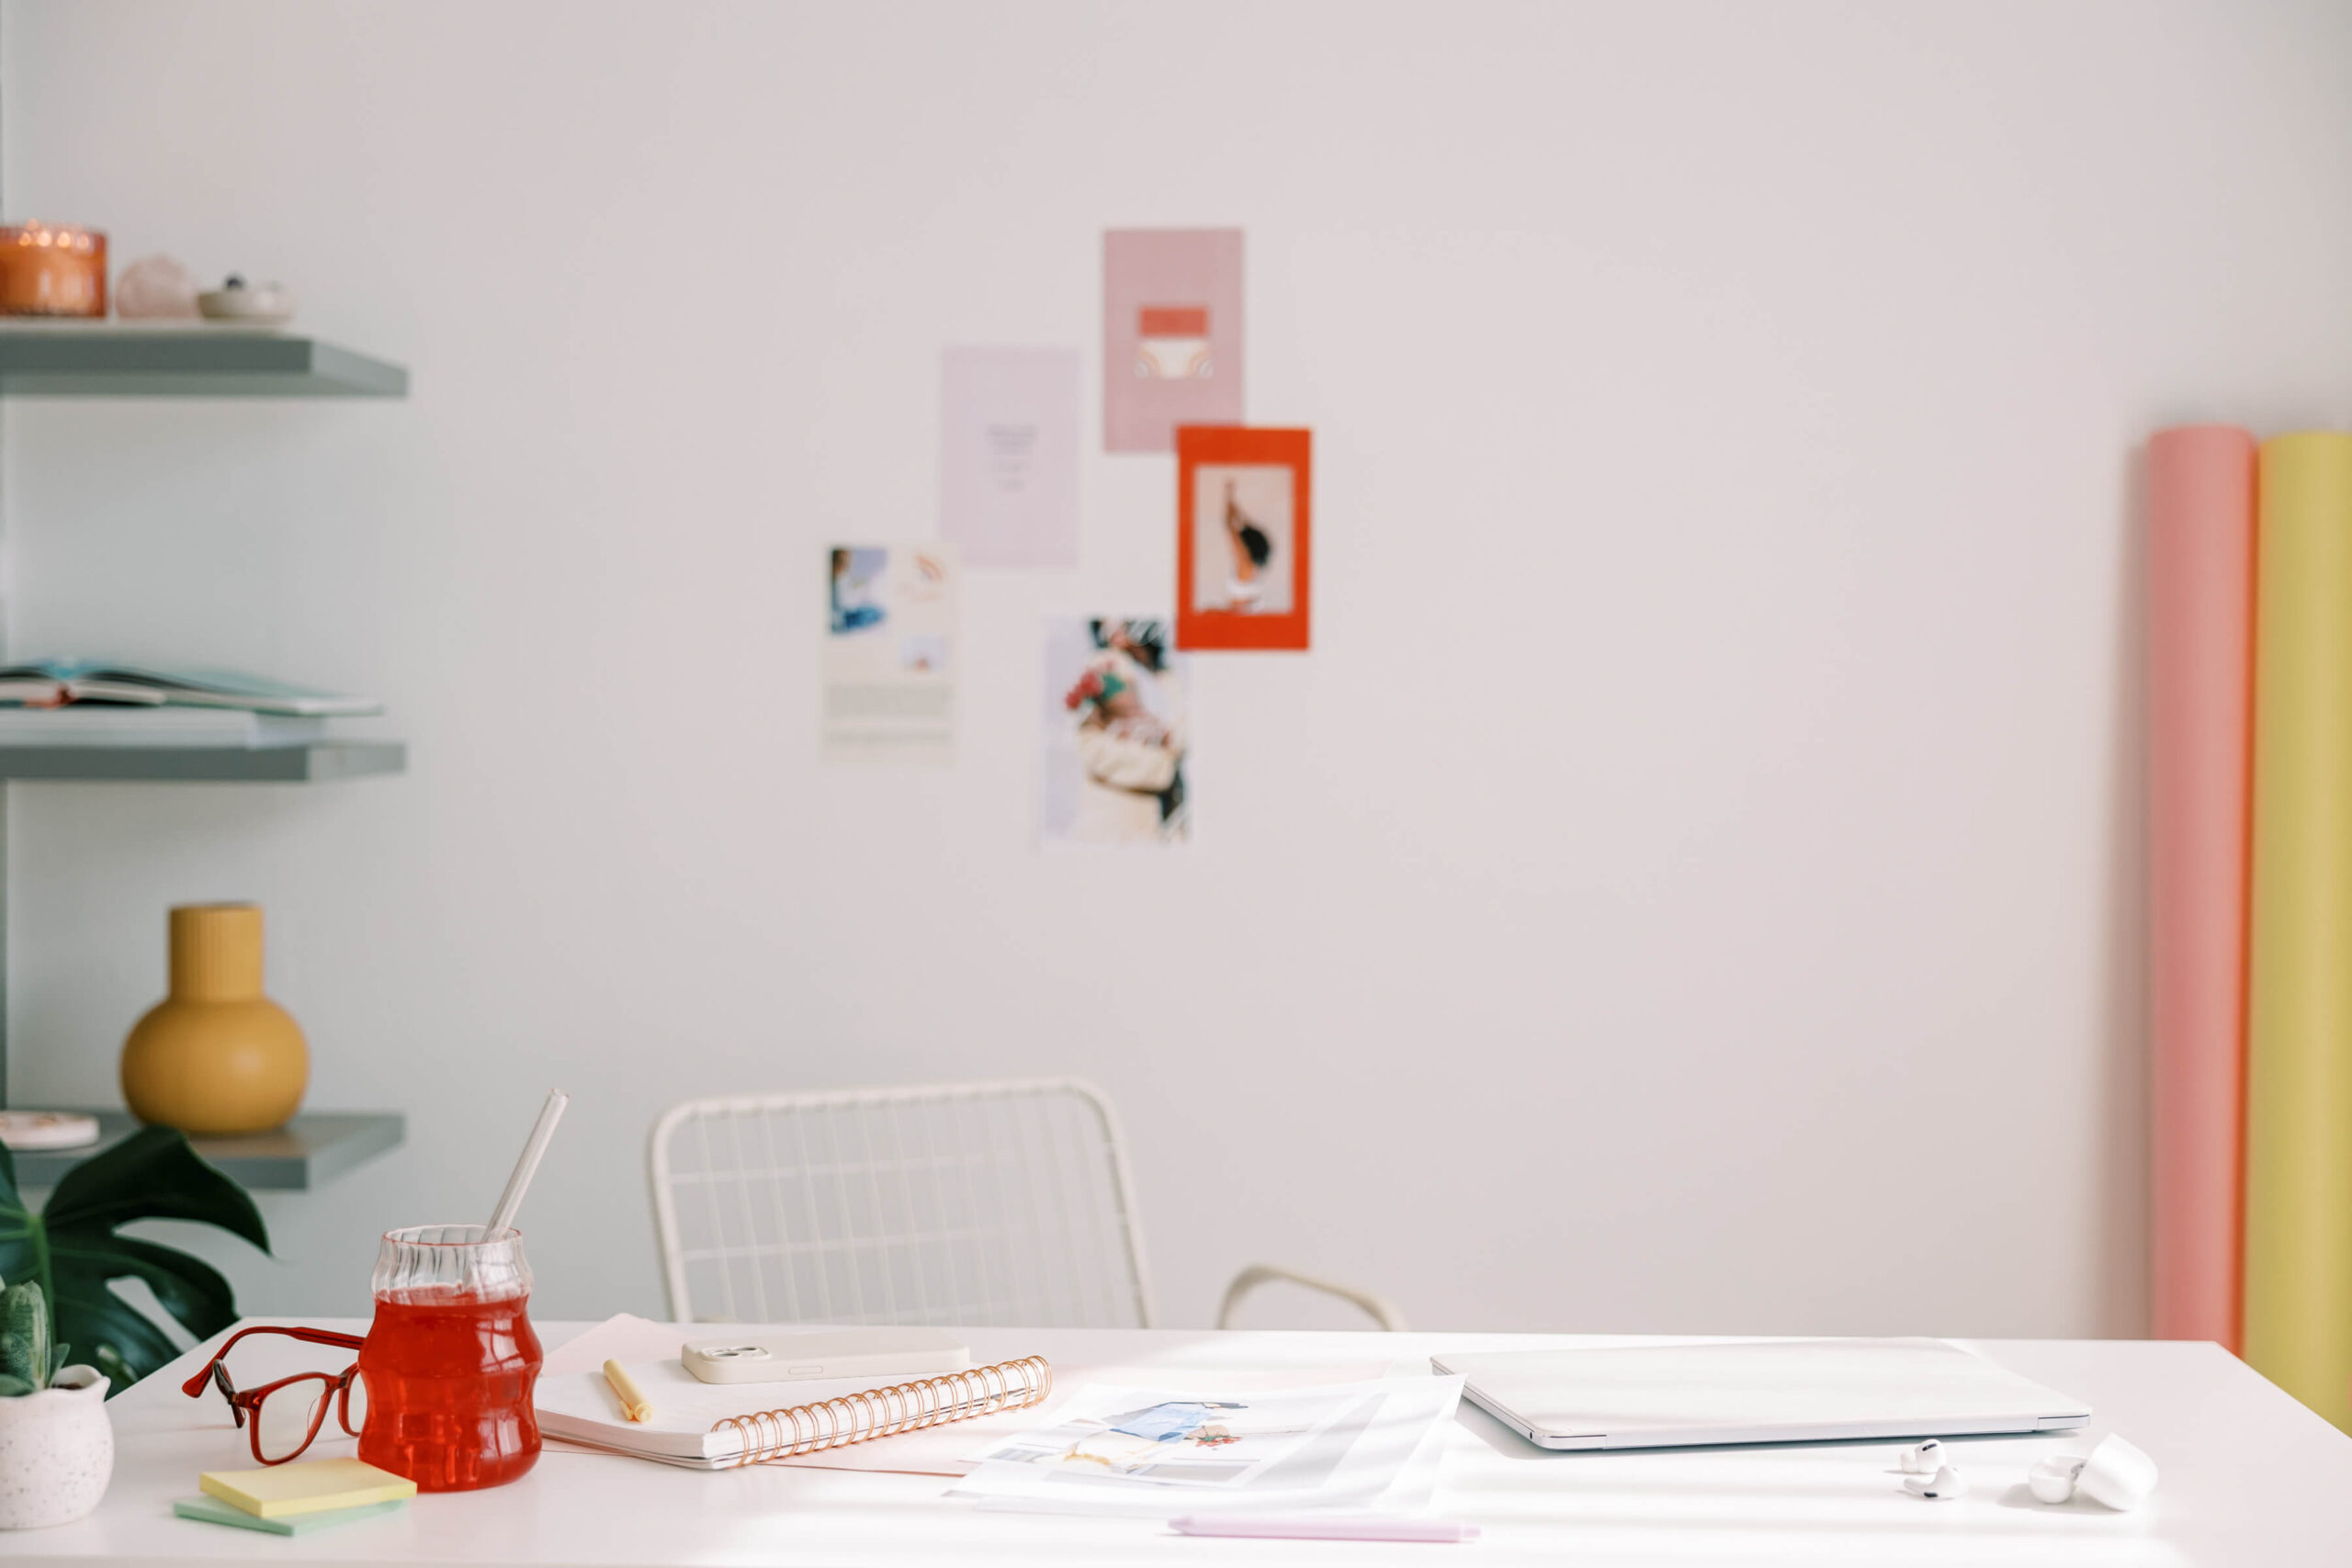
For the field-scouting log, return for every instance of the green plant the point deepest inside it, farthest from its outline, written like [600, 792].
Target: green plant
[72, 1253]
[29, 1362]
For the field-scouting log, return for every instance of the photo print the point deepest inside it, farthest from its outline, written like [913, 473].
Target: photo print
[1130, 1434]
[888, 667]
[1115, 763]
[1242, 537]
[1171, 333]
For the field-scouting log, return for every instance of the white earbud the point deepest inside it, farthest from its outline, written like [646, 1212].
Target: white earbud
[1945, 1484]
[2053, 1481]
[1925, 1460]
[2116, 1475]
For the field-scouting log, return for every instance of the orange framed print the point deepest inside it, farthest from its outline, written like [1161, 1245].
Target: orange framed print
[1244, 506]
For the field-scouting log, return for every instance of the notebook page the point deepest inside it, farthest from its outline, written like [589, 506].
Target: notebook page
[624, 1337]
[583, 1405]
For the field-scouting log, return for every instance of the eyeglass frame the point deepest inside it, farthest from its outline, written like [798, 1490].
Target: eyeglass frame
[248, 1401]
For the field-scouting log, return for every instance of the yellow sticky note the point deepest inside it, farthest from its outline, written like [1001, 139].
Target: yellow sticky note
[308, 1486]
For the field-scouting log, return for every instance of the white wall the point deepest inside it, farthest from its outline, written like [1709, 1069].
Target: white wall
[1708, 814]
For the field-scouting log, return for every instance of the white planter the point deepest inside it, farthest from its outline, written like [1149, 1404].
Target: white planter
[56, 1452]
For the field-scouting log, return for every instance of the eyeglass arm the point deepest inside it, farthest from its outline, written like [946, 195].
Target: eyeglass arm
[194, 1387]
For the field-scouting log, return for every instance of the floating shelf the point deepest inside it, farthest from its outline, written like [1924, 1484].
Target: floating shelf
[101, 360]
[315, 762]
[310, 1151]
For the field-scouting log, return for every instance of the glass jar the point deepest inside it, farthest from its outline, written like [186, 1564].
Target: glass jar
[450, 1360]
[53, 269]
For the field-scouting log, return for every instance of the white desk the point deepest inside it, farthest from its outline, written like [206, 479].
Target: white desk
[2249, 1477]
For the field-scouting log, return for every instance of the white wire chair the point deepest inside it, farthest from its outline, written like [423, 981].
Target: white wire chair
[1004, 1202]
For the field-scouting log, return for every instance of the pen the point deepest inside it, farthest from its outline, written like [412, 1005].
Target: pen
[634, 1405]
[1332, 1527]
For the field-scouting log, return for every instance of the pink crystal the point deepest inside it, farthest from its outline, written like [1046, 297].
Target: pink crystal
[155, 288]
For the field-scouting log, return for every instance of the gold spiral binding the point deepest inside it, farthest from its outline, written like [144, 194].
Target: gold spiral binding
[885, 1412]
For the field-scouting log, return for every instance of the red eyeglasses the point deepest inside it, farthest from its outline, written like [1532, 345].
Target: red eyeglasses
[286, 1416]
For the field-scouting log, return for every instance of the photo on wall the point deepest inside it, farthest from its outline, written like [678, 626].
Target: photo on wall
[1171, 333]
[1114, 757]
[1243, 557]
[889, 655]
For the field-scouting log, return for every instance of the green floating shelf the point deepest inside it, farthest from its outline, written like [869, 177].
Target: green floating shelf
[316, 762]
[100, 360]
[310, 1151]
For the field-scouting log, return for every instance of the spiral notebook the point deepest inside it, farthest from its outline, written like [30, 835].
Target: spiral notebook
[704, 1426]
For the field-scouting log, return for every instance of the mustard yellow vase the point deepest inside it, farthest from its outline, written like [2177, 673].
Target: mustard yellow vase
[215, 1055]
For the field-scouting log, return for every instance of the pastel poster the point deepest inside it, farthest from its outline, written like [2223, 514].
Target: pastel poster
[1171, 333]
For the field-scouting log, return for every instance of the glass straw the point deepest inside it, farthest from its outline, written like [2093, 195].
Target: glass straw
[534, 1150]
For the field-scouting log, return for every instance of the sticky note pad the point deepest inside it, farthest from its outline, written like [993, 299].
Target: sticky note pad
[213, 1511]
[306, 1487]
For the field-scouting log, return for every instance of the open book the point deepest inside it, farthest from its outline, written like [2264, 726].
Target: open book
[49, 682]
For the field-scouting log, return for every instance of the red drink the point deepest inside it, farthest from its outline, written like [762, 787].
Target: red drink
[449, 1368]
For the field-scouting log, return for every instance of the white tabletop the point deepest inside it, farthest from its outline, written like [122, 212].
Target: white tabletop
[2249, 1476]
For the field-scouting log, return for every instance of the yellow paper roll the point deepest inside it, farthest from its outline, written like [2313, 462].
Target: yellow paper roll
[2299, 1084]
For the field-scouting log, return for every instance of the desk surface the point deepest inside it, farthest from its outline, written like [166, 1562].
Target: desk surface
[2249, 1476]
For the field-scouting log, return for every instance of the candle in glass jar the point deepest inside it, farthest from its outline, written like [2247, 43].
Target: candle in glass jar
[53, 269]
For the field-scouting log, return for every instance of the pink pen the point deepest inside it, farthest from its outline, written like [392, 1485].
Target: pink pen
[1329, 1527]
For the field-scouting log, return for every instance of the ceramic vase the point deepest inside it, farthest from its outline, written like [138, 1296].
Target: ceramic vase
[56, 1452]
[215, 1056]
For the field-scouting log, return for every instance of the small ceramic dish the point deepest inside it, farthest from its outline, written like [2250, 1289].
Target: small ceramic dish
[30, 1130]
[237, 301]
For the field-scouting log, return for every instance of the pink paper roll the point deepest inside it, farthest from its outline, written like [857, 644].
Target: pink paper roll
[2201, 629]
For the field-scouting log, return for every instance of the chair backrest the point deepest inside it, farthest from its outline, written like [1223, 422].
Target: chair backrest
[977, 1203]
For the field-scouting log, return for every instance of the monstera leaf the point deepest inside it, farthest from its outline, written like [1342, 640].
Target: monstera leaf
[71, 1247]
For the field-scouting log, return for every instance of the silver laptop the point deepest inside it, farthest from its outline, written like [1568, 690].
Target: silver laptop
[1777, 1390]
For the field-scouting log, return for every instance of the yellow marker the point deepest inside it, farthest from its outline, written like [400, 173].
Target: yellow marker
[634, 1405]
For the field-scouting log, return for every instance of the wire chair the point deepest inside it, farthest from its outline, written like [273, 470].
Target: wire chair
[975, 1204]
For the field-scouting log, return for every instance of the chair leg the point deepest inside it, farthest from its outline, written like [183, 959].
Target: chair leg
[1377, 1306]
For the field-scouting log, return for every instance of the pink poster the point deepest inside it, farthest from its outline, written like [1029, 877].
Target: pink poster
[1008, 454]
[1171, 333]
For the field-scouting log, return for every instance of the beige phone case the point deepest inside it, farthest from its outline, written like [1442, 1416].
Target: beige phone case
[826, 1353]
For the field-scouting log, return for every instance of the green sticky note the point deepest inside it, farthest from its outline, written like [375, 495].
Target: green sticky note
[213, 1511]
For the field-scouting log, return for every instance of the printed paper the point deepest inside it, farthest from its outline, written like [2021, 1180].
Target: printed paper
[1133, 1435]
[1159, 1452]
[1008, 456]
[1115, 757]
[889, 662]
[1171, 333]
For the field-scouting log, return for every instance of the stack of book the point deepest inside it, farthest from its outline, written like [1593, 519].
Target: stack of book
[82, 703]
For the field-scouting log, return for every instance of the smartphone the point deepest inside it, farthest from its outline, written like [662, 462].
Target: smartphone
[828, 1353]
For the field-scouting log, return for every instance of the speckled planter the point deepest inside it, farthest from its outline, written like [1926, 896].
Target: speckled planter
[56, 1452]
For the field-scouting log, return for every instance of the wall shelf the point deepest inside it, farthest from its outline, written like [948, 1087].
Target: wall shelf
[315, 762]
[310, 1151]
[102, 360]
[202, 359]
